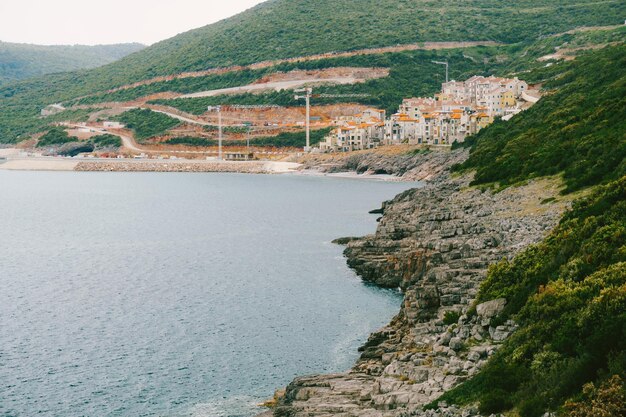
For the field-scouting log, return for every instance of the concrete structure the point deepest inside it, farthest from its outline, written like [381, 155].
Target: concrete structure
[52, 109]
[113, 125]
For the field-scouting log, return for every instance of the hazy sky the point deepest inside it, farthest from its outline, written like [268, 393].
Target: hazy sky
[54, 22]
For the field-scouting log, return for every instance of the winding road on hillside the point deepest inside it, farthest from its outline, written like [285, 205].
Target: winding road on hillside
[428, 46]
[276, 85]
[128, 141]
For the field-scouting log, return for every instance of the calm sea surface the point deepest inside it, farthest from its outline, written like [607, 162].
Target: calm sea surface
[177, 294]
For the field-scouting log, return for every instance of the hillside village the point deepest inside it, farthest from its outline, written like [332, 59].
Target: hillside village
[459, 109]
[462, 108]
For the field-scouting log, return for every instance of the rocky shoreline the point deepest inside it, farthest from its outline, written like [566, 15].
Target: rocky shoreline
[435, 243]
[407, 163]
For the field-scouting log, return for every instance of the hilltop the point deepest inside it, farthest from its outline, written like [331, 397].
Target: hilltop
[19, 61]
[292, 28]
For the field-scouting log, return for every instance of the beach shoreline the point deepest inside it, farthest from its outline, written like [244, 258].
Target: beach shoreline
[18, 160]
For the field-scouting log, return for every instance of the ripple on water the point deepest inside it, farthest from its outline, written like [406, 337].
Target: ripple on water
[177, 295]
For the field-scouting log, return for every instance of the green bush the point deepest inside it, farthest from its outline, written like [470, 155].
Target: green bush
[106, 141]
[495, 401]
[577, 129]
[55, 136]
[147, 123]
[451, 317]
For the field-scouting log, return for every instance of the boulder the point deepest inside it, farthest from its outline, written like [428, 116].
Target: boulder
[491, 308]
[456, 343]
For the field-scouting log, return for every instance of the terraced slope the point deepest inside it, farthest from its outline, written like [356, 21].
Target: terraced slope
[291, 28]
[279, 29]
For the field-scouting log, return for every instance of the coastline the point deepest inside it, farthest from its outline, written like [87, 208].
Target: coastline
[435, 243]
[12, 160]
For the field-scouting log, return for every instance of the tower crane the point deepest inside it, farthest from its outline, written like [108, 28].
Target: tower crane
[221, 108]
[307, 97]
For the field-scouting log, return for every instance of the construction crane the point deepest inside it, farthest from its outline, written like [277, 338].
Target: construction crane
[220, 118]
[307, 97]
[218, 109]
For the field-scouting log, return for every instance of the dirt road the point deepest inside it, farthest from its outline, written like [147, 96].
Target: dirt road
[428, 46]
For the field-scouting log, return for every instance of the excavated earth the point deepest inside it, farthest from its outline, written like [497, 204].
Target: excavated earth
[435, 243]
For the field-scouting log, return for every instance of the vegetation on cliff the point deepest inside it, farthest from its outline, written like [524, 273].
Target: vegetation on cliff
[568, 293]
[577, 129]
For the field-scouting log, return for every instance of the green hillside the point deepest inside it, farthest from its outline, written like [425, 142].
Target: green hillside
[291, 28]
[20, 61]
[578, 130]
[568, 293]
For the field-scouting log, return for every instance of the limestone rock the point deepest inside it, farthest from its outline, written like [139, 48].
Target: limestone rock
[491, 308]
[435, 243]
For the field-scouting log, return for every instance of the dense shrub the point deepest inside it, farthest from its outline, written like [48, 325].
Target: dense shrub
[578, 129]
[451, 317]
[55, 136]
[607, 400]
[147, 123]
[106, 141]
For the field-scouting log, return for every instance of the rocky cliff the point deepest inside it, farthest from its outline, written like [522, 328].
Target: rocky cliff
[435, 243]
[403, 161]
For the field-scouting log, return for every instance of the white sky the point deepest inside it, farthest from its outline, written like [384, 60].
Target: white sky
[67, 22]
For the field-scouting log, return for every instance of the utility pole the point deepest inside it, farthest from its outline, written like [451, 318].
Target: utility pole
[219, 118]
[248, 139]
[307, 98]
[447, 68]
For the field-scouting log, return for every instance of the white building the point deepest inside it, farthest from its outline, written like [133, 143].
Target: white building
[462, 108]
[113, 125]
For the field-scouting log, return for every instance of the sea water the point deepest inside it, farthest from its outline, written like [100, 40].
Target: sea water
[126, 294]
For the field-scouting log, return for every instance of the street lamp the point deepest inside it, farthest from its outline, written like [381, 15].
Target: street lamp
[447, 68]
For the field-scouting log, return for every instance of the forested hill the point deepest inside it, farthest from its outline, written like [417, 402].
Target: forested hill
[578, 129]
[293, 28]
[568, 293]
[19, 61]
